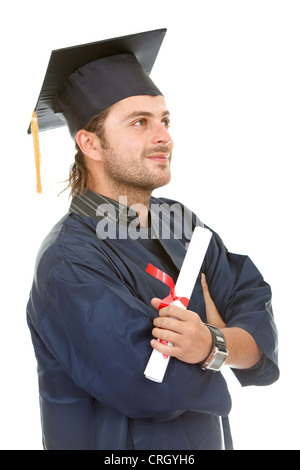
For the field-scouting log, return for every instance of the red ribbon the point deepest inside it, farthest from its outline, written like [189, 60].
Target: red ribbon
[163, 277]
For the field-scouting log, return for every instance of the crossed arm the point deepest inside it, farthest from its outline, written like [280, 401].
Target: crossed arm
[192, 339]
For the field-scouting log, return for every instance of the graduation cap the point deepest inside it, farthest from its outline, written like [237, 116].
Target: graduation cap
[84, 80]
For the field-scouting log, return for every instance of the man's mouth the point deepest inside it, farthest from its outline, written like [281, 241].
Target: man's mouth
[160, 157]
[159, 154]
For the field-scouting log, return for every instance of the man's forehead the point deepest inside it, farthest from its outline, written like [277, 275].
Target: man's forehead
[145, 105]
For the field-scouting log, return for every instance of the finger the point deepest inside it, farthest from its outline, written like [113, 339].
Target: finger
[170, 310]
[170, 324]
[209, 303]
[155, 302]
[165, 335]
[212, 314]
[175, 312]
[167, 323]
[205, 288]
[162, 348]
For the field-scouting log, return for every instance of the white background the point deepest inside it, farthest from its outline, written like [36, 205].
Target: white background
[231, 76]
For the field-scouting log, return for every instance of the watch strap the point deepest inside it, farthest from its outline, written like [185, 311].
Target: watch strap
[219, 345]
[218, 337]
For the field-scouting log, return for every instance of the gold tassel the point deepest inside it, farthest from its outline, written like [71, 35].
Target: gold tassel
[37, 153]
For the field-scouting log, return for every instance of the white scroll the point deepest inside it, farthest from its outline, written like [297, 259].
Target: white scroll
[157, 364]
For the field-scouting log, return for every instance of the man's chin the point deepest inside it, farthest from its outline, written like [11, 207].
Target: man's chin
[162, 182]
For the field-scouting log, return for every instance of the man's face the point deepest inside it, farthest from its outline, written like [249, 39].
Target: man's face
[138, 147]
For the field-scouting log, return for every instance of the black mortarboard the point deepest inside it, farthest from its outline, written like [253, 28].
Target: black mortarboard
[84, 80]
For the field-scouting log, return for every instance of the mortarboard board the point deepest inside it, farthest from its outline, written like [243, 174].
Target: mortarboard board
[82, 81]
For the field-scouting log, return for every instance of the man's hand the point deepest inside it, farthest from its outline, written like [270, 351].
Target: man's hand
[192, 340]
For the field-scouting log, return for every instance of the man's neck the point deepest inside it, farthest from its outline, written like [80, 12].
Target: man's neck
[135, 198]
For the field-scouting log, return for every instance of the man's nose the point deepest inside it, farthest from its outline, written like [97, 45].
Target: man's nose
[161, 135]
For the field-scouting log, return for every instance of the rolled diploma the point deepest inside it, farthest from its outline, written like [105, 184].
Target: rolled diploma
[158, 363]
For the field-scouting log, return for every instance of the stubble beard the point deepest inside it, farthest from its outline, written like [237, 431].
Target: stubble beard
[130, 178]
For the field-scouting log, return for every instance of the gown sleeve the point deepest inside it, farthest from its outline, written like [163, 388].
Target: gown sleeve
[244, 300]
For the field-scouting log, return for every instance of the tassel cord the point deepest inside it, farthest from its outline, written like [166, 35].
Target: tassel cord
[37, 153]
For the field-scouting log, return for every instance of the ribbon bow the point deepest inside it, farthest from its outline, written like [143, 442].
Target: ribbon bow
[163, 277]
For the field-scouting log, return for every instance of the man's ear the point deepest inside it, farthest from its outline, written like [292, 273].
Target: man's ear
[89, 144]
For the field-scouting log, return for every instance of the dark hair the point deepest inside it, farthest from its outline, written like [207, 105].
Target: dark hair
[78, 173]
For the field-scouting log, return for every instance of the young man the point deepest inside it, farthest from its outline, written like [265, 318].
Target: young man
[94, 310]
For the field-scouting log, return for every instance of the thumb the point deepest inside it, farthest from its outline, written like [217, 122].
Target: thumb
[155, 302]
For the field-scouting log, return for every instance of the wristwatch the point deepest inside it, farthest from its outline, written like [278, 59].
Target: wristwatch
[218, 354]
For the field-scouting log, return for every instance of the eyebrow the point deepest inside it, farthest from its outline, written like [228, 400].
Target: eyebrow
[136, 114]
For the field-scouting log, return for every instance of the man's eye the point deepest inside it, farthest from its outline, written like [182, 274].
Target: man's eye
[166, 122]
[140, 122]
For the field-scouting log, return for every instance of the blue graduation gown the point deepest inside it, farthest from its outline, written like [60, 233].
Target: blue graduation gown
[90, 319]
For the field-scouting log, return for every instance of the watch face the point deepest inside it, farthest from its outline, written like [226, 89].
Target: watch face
[219, 357]
[218, 361]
